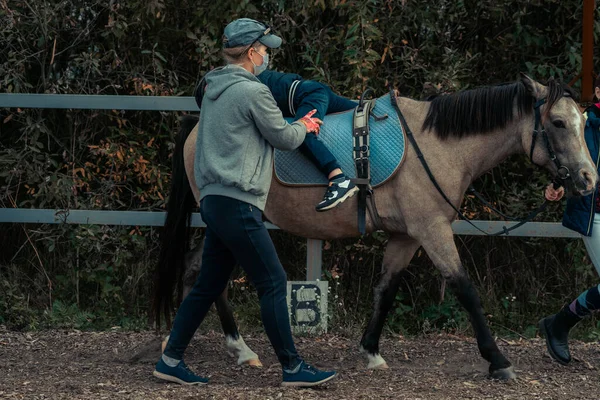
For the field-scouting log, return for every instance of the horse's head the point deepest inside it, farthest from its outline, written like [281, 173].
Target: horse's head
[555, 138]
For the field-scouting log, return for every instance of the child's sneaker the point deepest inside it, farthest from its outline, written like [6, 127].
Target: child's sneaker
[337, 192]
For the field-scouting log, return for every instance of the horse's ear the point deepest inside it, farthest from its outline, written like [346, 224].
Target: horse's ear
[532, 86]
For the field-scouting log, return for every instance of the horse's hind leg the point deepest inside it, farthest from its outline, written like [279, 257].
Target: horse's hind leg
[236, 347]
[399, 252]
[438, 242]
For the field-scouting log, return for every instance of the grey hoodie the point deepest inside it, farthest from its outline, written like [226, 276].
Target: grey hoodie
[239, 126]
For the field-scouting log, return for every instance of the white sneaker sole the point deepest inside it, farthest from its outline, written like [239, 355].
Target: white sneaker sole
[174, 379]
[307, 384]
[339, 201]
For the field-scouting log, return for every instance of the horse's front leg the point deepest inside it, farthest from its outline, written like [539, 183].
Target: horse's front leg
[236, 347]
[399, 252]
[438, 242]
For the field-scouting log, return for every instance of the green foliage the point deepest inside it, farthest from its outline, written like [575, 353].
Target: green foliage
[68, 316]
[14, 312]
[97, 277]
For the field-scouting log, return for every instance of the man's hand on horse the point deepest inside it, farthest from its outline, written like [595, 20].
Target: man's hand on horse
[554, 194]
[312, 124]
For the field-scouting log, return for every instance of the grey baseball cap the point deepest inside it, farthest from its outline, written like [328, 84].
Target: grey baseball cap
[245, 31]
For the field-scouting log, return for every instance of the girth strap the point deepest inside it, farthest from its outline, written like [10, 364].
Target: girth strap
[373, 213]
[361, 153]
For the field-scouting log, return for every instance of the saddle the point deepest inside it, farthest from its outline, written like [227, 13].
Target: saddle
[375, 138]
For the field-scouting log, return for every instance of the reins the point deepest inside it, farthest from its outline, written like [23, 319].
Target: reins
[505, 230]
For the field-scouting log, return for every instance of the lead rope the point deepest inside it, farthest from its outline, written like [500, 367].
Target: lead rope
[505, 230]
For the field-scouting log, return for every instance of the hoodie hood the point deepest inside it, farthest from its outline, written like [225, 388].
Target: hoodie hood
[221, 79]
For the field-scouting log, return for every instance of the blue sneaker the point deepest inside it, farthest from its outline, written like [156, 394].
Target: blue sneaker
[178, 374]
[305, 375]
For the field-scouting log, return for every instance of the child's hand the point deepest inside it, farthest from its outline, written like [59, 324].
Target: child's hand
[554, 194]
[312, 124]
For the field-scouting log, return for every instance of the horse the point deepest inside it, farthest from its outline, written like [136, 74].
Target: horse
[460, 136]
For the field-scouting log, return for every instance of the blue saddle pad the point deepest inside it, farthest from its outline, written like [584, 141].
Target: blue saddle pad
[386, 141]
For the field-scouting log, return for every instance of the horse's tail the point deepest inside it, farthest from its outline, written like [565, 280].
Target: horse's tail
[174, 238]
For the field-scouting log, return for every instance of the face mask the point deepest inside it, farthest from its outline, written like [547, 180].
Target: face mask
[258, 69]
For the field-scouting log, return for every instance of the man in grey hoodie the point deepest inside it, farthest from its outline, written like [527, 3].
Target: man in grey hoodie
[295, 97]
[240, 165]
[239, 126]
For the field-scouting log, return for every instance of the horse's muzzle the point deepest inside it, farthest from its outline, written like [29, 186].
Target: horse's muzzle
[585, 181]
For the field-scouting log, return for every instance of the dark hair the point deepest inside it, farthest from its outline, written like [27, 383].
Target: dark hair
[597, 83]
[556, 91]
[477, 110]
[484, 109]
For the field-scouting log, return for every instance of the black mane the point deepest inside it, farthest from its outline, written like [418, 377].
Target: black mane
[485, 109]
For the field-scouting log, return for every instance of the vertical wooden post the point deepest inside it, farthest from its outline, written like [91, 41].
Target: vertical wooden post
[314, 259]
[587, 73]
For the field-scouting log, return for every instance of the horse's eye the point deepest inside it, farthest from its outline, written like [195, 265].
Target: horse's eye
[558, 124]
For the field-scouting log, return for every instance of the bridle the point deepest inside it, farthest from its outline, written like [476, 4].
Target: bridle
[562, 172]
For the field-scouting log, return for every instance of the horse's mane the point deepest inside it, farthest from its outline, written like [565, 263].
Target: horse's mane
[485, 109]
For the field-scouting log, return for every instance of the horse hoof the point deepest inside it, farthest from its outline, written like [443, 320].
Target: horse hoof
[255, 362]
[504, 374]
[376, 362]
[383, 366]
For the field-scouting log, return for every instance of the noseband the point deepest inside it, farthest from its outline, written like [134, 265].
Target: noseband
[563, 172]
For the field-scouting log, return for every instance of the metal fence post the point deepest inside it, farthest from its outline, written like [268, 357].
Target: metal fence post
[314, 260]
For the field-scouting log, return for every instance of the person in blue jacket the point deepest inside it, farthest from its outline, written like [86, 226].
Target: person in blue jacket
[581, 215]
[296, 97]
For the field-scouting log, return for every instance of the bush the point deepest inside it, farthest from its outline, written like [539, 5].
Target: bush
[95, 276]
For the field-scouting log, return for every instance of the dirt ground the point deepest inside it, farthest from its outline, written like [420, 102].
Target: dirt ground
[84, 365]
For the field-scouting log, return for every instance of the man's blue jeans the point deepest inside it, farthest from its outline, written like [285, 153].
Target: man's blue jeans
[235, 233]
